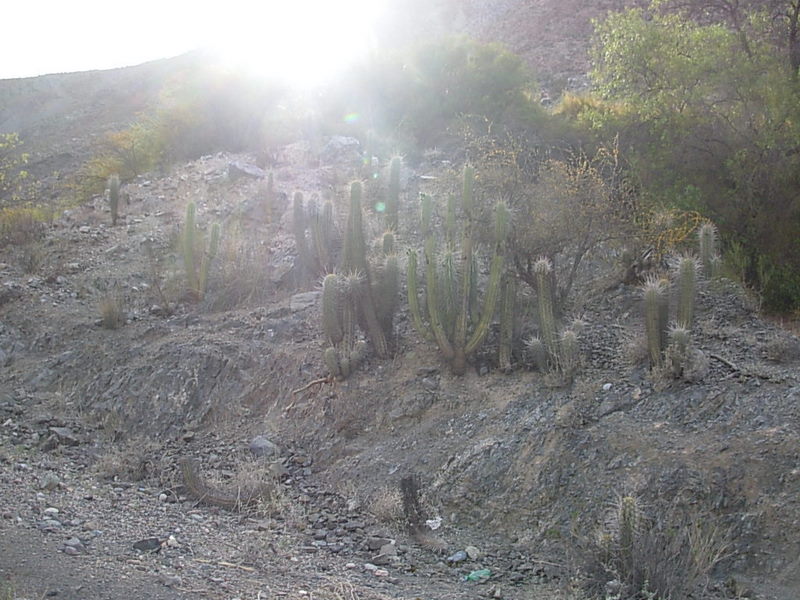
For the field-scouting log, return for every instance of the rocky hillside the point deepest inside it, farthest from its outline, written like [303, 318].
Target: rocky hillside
[112, 377]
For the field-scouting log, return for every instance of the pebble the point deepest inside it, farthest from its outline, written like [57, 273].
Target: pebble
[50, 482]
[260, 446]
[380, 573]
[472, 552]
[370, 567]
[51, 511]
[607, 387]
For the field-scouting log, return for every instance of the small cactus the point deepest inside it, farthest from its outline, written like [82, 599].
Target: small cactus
[340, 300]
[208, 257]
[656, 309]
[539, 352]
[301, 243]
[707, 238]
[678, 349]
[569, 354]
[687, 278]
[113, 198]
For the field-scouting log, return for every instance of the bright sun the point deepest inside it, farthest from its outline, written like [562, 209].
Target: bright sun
[304, 42]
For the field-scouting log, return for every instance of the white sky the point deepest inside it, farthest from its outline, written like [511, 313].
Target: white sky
[305, 39]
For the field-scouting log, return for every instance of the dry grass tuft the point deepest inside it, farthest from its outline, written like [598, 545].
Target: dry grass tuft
[111, 313]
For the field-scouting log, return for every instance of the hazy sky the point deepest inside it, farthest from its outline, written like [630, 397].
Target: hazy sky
[303, 38]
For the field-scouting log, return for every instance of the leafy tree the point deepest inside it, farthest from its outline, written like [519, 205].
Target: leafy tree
[708, 126]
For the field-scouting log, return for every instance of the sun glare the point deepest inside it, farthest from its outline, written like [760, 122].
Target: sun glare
[304, 43]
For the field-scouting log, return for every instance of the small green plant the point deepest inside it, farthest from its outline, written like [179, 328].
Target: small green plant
[454, 319]
[113, 198]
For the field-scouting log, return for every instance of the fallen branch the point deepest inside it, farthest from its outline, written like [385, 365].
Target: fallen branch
[320, 382]
[725, 361]
[224, 563]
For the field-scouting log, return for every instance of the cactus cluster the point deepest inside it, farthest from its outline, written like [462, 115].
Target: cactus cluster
[667, 343]
[340, 299]
[113, 198]
[361, 295]
[314, 233]
[707, 239]
[453, 317]
[552, 350]
[197, 279]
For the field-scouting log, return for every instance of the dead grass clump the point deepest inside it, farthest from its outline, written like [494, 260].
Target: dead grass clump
[386, 505]
[22, 225]
[636, 555]
[111, 313]
[782, 349]
[134, 460]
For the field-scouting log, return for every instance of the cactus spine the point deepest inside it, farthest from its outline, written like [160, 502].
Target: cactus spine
[469, 329]
[393, 194]
[656, 310]
[113, 198]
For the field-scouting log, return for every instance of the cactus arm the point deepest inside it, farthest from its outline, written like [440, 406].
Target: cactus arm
[434, 307]
[492, 293]
[413, 298]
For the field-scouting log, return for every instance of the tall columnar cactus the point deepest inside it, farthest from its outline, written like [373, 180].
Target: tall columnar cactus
[208, 257]
[386, 287]
[189, 243]
[354, 260]
[197, 279]
[656, 312]
[299, 225]
[113, 198]
[393, 194]
[508, 308]
[707, 238]
[322, 228]
[460, 339]
[548, 329]
[687, 283]
[340, 299]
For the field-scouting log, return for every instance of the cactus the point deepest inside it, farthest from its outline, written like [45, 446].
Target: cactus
[322, 228]
[678, 349]
[687, 278]
[386, 287]
[354, 260]
[113, 198]
[301, 244]
[208, 257]
[197, 282]
[539, 352]
[189, 241]
[393, 194]
[568, 353]
[339, 306]
[461, 332]
[707, 238]
[656, 309]
[543, 271]
[507, 314]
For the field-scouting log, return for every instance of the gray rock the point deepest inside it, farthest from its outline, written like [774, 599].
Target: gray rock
[237, 170]
[376, 543]
[472, 552]
[65, 436]
[260, 446]
[303, 301]
[147, 544]
[50, 482]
